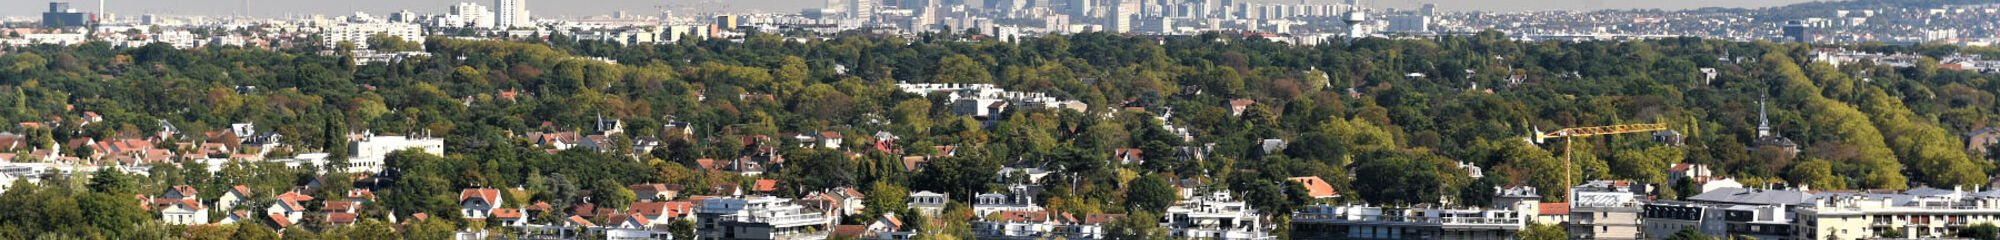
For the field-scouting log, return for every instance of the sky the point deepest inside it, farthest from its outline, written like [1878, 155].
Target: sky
[579, 8]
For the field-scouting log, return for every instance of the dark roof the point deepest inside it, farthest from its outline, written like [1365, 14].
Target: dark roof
[1753, 196]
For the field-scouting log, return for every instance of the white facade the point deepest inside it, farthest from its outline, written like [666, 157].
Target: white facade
[370, 152]
[1918, 213]
[759, 218]
[511, 14]
[472, 15]
[358, 33]
[1216, 216]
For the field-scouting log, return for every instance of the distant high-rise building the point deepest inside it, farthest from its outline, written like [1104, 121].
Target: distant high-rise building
[61, 16]
[1429, 9]
[1410, 24]
[726, 22]
[148, 19]
[862, 9]
[1121, 15]
[1795, 31]
[472, 15]
[512, 13]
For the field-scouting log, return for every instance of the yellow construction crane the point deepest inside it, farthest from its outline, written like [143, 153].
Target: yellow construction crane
[1570, 134]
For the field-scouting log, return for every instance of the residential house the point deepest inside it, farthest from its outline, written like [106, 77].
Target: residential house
[288, 209]
[726, 189]
[663, 212]
[181, 211]
[930, 204]
[653, 192]
[1128, 155]
[1273, 146]
[830, 139]
[1019, 197]
[765, 186]
[1979, 140]
[478, 203]
[1236, 107]
[510, 217]
[360, 195]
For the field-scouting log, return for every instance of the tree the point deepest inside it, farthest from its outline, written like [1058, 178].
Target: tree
[1538, 231]
[609, 194]
[1397, 178]
[1150, 194]
[111, 181]
[253, 231]
[1138, 225]
[1891, 233]
[885, 197]
[1982, 231]
[431, 229]
[681, 229]
[961, 69]
[1689, 234]
[298, 233]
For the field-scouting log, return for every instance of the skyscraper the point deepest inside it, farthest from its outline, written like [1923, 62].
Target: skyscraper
[512, 13]
[862, 9]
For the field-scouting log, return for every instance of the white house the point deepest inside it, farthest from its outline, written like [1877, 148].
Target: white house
[186, 211]
[478, 203]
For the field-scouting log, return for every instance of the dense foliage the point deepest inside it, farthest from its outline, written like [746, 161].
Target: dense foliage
[1400, 114]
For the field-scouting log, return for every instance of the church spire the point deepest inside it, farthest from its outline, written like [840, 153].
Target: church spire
[1763, 122]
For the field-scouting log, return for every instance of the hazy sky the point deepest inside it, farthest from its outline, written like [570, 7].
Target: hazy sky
[32, 8]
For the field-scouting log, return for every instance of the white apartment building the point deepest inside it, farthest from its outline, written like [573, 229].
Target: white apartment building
[511, 14]
[1512, 209]
[358, 33]
[369, 152]
[760, 217]
[1216, 216]
[1606, 209]
[1918, 213]
[471, 15]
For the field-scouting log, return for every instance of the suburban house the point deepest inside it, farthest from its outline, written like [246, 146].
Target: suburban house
[182, 211]
[237, 195]
[288, 209]
[1978, 140]
[928, 203]
[510, 217]
[478, 203]
[1128, 155]
[654, 192]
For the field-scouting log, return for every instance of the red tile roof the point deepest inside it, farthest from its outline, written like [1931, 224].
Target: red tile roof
[338, 206]
[491, 196]
[186, 191]
[341, 218]
[506, 213]
[635, 217]
[849, 230]
[1100, 218]
[1315, 186]
[1554, 208]
[578, 220]
[1025, 216]
[766, 185]
[280, 220]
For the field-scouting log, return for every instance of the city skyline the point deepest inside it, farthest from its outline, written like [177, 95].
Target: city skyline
[279, 8]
